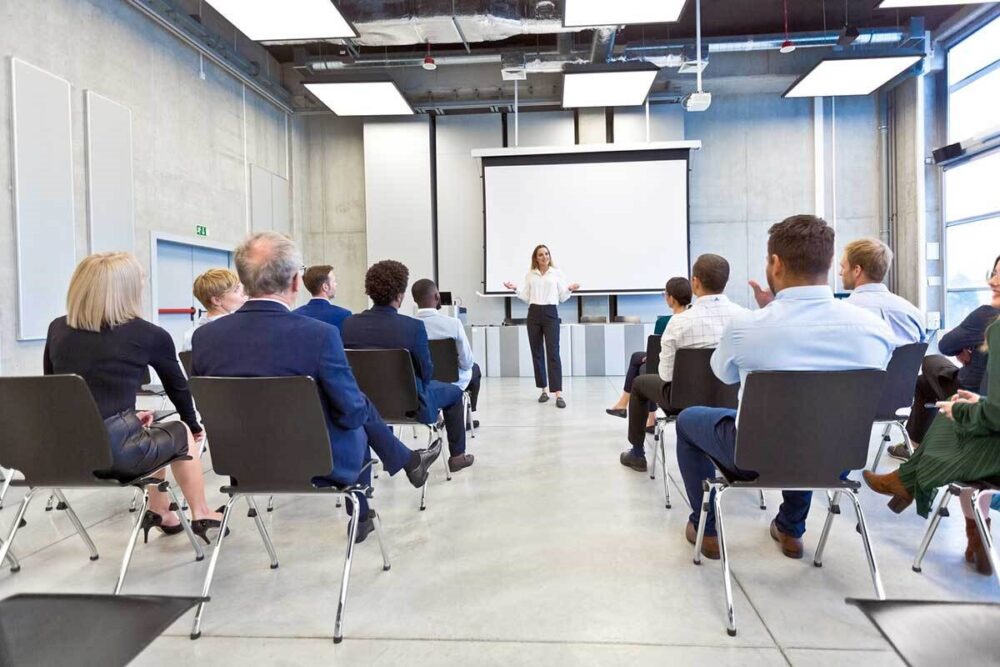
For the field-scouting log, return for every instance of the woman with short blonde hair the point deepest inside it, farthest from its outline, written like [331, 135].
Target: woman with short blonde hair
[221, 292]
[104, 339]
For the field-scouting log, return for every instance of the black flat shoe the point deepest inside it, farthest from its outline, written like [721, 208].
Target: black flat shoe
[418, 476]
[544, 398]
[629, 460]
[151, 520]
[365, 528]
[474, 424]
[617, 412]
[560, 403]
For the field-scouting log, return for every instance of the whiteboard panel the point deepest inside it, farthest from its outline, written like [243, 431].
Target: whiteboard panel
[109, 175]
[612, 226]
[43, 196]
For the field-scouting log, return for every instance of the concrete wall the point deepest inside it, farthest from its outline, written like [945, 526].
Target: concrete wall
[193, 139]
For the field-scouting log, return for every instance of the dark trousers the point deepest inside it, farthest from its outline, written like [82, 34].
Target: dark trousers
[635, 366]
[646, 390]
[938, 381]
[543, 325]
[706, 437]
[448, 399]
[391, 452]
[474, 384]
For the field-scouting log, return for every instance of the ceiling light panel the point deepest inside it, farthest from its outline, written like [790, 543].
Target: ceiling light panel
[366, 98]
[606, 89]
[281, 20]
[856, 76]
[899, 4]
[582, 13]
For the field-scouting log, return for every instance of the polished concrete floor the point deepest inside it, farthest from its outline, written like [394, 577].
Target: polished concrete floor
[547, 551]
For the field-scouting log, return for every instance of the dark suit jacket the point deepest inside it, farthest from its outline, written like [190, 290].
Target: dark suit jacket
[324, 311]
[262, 339]
[383, 328]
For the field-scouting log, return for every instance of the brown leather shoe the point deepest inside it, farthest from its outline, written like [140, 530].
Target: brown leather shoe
[456, 463]
[790, 546]
[975, 552]
[709, 543]
[630, 460]
[890, 485]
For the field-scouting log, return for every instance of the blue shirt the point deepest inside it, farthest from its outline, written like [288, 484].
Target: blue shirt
[442, 327]
[906, 322]
[320, 309]
[803, 329]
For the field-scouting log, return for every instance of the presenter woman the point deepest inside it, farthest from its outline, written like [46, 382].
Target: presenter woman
[543, 290]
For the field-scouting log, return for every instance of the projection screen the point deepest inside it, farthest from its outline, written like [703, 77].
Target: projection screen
[615, 222]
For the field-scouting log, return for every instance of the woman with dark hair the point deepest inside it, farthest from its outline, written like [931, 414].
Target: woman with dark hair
[965, 446]
[678, 297]
[543, 290]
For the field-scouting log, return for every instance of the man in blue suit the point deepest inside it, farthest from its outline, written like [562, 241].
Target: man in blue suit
[322, 284]
[264, 339]
[382, 327]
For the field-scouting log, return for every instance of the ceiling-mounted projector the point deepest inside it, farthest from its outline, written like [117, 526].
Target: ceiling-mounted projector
[697, 101]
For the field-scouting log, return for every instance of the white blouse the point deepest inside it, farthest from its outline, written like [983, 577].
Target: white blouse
[548, 289]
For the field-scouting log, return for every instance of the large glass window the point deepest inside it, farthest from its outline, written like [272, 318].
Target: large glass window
[972, 186]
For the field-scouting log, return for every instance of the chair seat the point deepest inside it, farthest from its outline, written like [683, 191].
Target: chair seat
[983, 484]
[319, 485]
[151, 390]
[795, 484]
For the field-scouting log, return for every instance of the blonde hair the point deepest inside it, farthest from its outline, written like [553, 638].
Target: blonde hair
[873, 256]
[214, 283]
[105, 291]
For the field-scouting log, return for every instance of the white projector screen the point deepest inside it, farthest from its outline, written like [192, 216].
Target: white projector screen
[614, 222]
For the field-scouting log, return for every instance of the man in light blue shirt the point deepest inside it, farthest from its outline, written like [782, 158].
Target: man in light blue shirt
[801, 328]
[863, 268]
[442, 327]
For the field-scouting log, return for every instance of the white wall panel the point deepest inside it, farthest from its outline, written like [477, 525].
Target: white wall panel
[109, 175]
[666, 123]
[543, 128]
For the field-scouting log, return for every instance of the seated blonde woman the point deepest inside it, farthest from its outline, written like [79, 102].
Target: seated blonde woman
[964, 446]
[221, 292]
[104, 339]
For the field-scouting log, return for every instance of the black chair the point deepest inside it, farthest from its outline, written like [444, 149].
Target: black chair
[979, 488]
[70, 451]
[897, 395]
[386, 377]
[149, 390]
[185, 358]
[799, 431]
[66, 630]
[932, 632]
[265, 452]
[444, 357]
[652, 354]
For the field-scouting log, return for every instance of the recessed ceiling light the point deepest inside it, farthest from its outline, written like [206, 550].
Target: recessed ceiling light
[623, 88]
[849, 76]
[280, 20]
[899, 4]
[362, 98]
[582, 13]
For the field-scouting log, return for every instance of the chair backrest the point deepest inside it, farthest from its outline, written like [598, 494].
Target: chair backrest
[694, 382]
[901, 378]
[147, 378]
[268, 434]
[185, 361]
[51, 431]
[386, 377]
[805, 428]
[652, 354]
[444, 356]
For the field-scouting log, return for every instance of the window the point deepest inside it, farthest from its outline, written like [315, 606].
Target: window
[972, 186]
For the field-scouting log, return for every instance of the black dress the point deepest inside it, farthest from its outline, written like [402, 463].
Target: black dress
[112, 363]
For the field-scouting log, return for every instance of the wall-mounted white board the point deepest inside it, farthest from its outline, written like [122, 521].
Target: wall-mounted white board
[109, 175]
[43, 196]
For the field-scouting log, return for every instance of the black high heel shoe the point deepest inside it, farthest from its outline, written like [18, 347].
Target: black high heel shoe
[152, 520]
[202, 526]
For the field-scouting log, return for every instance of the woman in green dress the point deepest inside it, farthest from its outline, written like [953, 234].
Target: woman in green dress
[963, 447]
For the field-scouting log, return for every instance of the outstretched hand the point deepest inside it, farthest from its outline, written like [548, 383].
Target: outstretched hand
[510, 285]
[574, 287]
[761, 296]
[964, 396]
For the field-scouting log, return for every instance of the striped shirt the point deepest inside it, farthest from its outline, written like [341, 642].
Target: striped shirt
[700, 326]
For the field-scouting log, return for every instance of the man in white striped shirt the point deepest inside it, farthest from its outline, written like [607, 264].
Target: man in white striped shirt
[698, 327]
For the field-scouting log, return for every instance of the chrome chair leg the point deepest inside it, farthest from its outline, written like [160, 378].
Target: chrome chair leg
[423, 497]
[5, 548]
[763, 503]
[447, 468]
[869, 553]
[833, 509]
[886, 430]
[199, 553]
[206, 588]
[50, 502]
[127, 559]
[78, 525]
[135, 500]
[377, 520]
[354, 503]
[940, 511]
[375, 464]
[656, 454]
[703, 518]
[339, 504]
[984, 533]
[262, 529]
[8, 476]
[906, 436]
[724, 553]
[663, 470]
[270, 504]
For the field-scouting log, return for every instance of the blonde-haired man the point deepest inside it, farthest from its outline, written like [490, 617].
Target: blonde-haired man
[221, 292]
[863, 267]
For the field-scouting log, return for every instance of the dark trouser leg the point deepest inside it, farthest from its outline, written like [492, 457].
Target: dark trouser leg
[391, 452]
[705, 436]
[474, 384]
[551, 332]
[535, 340]
[635, 365]
[646, 389]
[793, 512]
[448, 398]
[938, 381]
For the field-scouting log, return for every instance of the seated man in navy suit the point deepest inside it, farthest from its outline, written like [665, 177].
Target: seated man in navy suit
[322, 284]
[383, 328]
[264, 339]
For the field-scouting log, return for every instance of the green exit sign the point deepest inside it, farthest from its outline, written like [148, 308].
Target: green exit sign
[201, 230]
